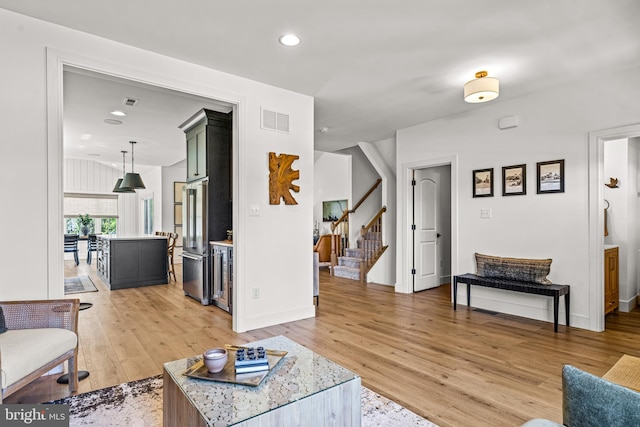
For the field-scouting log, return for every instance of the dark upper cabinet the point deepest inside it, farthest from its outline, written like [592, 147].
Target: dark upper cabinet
[208, 145]
[209, 155]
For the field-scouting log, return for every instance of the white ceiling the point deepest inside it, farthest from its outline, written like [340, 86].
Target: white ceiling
[373, 66]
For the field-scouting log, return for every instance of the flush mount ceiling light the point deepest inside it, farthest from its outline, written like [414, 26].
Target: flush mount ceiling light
[132, 180]
[118, 113]
[116, 188]
[482, 89]
[112, 122]
[289, 40]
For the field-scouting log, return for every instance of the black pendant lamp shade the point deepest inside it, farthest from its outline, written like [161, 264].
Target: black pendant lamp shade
[117, 188]
[132, 180]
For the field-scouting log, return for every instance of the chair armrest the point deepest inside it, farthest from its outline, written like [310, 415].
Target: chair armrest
[56, 313]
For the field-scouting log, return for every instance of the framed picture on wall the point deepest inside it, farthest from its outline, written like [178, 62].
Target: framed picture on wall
[332, 210]
[550, 176]
[514, 180]
[483, 183]
[177, 191]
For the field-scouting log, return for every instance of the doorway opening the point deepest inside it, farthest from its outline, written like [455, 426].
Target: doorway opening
[629, 252]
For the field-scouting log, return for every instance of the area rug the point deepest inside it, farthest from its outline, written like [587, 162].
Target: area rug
[77, 285]
[139, 404]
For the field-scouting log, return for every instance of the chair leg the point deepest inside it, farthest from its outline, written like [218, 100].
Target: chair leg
[88, 257]
[75, 256]
[73, 372]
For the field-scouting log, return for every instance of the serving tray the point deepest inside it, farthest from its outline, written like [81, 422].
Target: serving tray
[228, 374]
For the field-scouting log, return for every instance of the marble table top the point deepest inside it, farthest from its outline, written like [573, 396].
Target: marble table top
[301, 373]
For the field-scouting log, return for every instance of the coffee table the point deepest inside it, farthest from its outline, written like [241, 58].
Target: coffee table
[303, 389]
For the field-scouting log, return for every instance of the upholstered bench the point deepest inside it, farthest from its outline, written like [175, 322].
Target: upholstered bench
[515, 274]
[39, 336]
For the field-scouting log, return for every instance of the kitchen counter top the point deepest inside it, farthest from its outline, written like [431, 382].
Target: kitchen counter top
[144, 237]
[228, 243]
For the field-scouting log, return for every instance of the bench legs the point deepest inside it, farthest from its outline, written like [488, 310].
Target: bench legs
[556, 301]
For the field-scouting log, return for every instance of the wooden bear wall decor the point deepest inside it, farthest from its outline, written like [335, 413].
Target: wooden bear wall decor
[281, 178]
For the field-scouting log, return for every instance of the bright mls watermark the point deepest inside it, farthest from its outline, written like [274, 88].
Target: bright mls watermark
[34, 415]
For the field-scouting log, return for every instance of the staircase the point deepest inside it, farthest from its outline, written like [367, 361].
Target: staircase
[359, 259]
[355, 263]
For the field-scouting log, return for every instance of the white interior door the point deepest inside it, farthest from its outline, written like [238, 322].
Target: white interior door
[425, 235]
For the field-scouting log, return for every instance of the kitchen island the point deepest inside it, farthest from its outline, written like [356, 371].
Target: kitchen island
[131, 262]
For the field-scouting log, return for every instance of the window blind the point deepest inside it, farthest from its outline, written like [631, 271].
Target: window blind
[96, 205]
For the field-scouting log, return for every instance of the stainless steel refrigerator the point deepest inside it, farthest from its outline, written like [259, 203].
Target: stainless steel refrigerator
[195, 247]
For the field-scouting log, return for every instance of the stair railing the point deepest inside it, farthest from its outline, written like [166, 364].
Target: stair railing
[371, 235]
[342, 223]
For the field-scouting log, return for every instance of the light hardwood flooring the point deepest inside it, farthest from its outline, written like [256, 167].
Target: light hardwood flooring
[456, 368]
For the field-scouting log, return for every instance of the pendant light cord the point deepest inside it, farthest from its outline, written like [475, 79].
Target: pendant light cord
[124, 172]
[132, 142]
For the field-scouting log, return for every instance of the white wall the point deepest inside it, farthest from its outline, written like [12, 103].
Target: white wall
[332, 181]
[171, 174]
[554, 124]
[32, 105]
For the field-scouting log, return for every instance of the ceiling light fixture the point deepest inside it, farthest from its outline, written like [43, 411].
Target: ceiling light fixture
[117, 188]
[289, 40]
[112, 122]
[118, 113]
[482, 89]
[132, 180]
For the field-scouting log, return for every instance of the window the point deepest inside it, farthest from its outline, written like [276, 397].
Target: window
[102, 208]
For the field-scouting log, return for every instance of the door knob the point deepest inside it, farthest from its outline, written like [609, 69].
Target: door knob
[438, 235]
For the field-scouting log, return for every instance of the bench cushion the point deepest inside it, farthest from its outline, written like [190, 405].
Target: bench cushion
[518, 269]
[23, 351]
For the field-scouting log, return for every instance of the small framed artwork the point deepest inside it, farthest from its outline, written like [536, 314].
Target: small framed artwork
[483, 183]
[177, 214]
[550, 177]
[514, 180]
[177, 191]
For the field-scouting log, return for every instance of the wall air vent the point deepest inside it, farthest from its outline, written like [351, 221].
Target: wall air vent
[130, 102]
[273, 120]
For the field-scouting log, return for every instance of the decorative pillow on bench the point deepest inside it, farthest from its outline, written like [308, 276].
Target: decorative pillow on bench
[520, 269]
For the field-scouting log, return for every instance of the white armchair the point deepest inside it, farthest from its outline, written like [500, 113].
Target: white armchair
[41, 335]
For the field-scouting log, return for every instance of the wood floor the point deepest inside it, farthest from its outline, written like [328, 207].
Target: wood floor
[456, 368]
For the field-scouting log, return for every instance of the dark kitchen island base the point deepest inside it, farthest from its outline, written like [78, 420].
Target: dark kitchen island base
[131, 262]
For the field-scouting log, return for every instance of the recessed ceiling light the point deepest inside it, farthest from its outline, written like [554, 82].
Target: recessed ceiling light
[118, 113]
[85, 136]
[93, 154]
[112, 122]
[289, 40]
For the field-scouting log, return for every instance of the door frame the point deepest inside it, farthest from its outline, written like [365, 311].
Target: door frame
[596, 218]
[56, 60]
[404, 253]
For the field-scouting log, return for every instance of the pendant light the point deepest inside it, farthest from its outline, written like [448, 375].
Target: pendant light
[117, 188]
[132, 180]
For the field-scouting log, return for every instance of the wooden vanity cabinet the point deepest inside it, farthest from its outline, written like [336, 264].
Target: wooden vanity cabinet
[611, 280]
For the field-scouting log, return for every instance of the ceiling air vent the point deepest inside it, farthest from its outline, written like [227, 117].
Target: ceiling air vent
[273, 120]
[130, 102]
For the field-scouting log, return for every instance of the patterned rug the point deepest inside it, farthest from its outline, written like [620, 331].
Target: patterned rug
[77, 285]
[139, 404]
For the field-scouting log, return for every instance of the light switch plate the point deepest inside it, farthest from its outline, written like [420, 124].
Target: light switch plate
[254, 210]
[485, 213]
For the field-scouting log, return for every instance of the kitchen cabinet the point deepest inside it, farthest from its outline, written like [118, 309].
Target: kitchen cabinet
[611, 280]
[209, 156]
[208, 136]
[196, 153]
